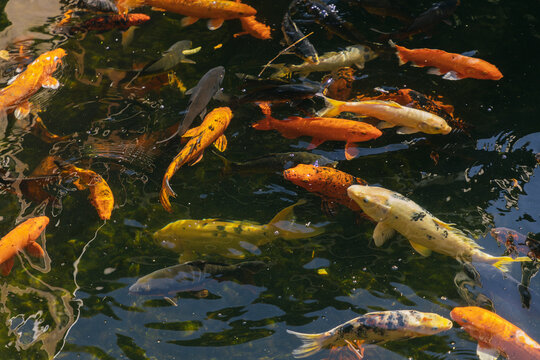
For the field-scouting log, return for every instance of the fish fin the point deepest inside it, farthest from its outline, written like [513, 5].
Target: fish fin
[187, 61]
[289, 135]
[22, 110]
[447, 226]
[125, 5]
[434, 71]
[351, 151]
[314, 143]
[451, 75]
[385, 125]
[263, 124]
[221, 143]
[192, 132]
[196, 160]
[34, 249]
[188, 20]
[382, 233]
[287, 213]
[421, 249]
[6, 266]
[50, 83]
[501, 262]
[485, 352]
[406, 130]
[190, 91]
[203, 113]
[471, 53]
[331, 109]
[359, 66]
[311, 343]
[10, 81]
[214, 24]
[153, 8]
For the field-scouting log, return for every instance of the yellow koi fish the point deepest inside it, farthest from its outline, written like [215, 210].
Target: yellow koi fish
[230, 238]
[392, 114]
[426, 233]
[38, 74]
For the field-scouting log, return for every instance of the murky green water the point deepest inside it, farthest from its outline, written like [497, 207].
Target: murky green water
[76, 305]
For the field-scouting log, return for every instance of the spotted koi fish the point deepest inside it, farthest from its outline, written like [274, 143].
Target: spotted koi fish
[215, 10]
[210, 131]
[372, 328]
[495, 335]
[38, 74]
[394, 212]
[23, 236]
[109, 22]
[328, 183]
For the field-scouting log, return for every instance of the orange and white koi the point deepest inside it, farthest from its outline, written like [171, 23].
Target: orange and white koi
[215, 10]
[38, 74]
[210, 131]
[495, 335]
[321, 130]
[23, 236]
[452, 66]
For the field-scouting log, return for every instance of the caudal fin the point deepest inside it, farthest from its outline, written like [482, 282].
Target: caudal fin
[311, 343]
[288, 229]
[502, 262]
[266, 123]
[331, 109]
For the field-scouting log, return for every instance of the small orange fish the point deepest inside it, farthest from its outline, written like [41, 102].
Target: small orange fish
[338, 85]
[38, 74]
[210, 131]
[452, 66]
[495, 335]
[321, 130]
[215, 10]
[23, 236]
[326, 182]
[252, 27]
[100, 196]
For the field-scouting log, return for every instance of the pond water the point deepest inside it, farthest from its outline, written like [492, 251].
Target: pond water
[75, 304]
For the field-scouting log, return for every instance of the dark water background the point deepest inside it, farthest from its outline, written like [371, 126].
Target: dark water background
[76, 305]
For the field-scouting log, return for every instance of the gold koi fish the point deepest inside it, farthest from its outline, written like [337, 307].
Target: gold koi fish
[394, 212]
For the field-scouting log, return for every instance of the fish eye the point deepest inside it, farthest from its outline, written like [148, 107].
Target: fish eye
[366, 200]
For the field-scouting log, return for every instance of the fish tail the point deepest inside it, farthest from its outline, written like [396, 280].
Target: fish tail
[283, 223]
[502, 262]
[266, 123]
[281, 71]
[332, 108]
[125, 5]
[311, 343]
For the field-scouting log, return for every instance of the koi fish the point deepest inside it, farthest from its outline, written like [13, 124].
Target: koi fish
[394, 212]
[321, 130]
[516, 242]
[356, 55]
[326, 182]
[431, 17]
[100, 196]
[277, 162]
[372, 328]
[280, 93]
[232, 239]
[292, 35]
[210, 131]
[495, 335]
[44, 174]
[38, 74]
[392, 114]
[109, 22]
[252, 27]
[384, 8]
[215, 10]
[172, 56]
[338, 85]
[99, 5]
[23, 236]
[190, 276]
[452, 66]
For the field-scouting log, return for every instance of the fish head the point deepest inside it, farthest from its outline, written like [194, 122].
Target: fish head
[424, 324]
[474, 320]
[53, 58]
[306, 176]
[373, 200]
[435, 126]
[483, 70]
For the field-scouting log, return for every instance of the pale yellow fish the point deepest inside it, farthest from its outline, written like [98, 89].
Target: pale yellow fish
[232, 239]
[391, 114]
[394, 212]
[4, 54]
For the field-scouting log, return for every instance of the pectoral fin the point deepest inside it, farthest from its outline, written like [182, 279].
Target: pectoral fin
[421, 249]
[359, 66]
[214, 24]
[34, 249]
[443, 224]
[434, 71]
[6, 266]
[314, 143]
[221, 143]
[451, 75]
[351, 151]
[385, 125]
[484, 352]
[191, 132]
[196, 160]
[382, 233]
[50, 83]
[406, 130]
[22, 110]
[188, 20]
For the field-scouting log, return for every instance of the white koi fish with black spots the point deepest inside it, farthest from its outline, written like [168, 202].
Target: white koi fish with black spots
[373, 328]
[394, 212]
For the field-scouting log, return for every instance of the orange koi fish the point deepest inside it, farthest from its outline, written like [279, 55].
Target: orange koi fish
[252, 27]
[215, 10]
[495, 335]
[100, 196]
[210, 131]
[452, 66]
[109, 22]
[38, 74]
[338, 85]
[23, 236]
[321, 130]
[326, 182]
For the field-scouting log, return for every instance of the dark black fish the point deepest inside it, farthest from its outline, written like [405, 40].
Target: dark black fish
[191, 276]
[304, 49]
[99, 5]
[277, 162]
[273, 92]
[384, 8]
[431, 17]
[326, 16]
